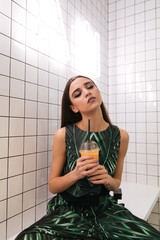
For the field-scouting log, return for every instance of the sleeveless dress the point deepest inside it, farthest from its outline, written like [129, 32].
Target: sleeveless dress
[85, 210]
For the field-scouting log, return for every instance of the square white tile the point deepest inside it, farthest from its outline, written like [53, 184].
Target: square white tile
[5, 7]
[5, 24]
[29, 145]
[40, 210]
[28, 218]
[4, 83]
[14, 205]
[43, 62]
[15, 146]
[30, 109]
[16, 127]
[29, 162]
[4, 129]
[42, 94]
[42, 143]
[3, 169]
[32, 40]
[32, 21]
[4, 147]
[43, 110]
[141, 169]
[18, 14]
[53, 81]
[16, 107]
[4, 65]
[30, 127]
[28, 199]
[3, 230]
[52, 126]
[31, 74]
[29, 181]
[18, 51]
[42, 160]
[31, 91]
[5, 45]
[42, 127]
[14, 186]
[14, 226]
[42, 177]
[17, 88]
[41, 194]
[43, 78]
[3, 187]
[18, 32]
[35, 9]
[31, 57]
[15, 166]
[152, 148]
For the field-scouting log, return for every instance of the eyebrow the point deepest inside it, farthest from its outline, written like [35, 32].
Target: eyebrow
[85, 84]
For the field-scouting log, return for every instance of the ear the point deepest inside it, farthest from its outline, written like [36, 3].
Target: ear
[73, 108]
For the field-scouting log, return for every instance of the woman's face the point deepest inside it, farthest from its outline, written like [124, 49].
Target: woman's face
[84, 95]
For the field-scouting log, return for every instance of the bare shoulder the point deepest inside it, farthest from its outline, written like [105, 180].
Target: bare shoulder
[124, 135]
[59, 136]
[59, 140]
[60, 133]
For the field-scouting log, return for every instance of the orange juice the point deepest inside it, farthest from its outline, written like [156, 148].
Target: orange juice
[90, 148]
[91, 153]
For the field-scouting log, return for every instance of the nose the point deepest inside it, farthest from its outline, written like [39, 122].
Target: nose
[86, 92]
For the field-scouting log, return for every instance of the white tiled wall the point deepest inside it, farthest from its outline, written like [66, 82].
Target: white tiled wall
[34, 67]
[134, 80]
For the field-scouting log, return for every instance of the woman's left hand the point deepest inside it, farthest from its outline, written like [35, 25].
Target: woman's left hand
[100, 176]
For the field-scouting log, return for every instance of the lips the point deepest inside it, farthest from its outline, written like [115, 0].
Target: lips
[91, 99]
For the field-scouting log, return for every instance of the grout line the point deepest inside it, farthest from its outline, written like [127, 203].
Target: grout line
[7, 209]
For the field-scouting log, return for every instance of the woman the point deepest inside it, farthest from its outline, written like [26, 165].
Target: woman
[83, 208]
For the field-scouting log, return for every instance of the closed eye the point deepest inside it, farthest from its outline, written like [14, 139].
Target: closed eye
[76, 95]
[90, 87]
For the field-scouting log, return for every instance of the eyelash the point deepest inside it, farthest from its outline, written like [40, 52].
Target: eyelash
[88, 87]
[77, 95]
[91, 86]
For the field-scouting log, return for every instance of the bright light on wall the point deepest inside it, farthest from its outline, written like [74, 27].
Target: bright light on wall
[57, 37]
[49, 31]
[86, 51]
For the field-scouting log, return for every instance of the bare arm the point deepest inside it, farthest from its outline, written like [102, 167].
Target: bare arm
[57, 182]
[102, 177]
[115, 181]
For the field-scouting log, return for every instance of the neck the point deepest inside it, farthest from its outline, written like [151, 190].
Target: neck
[97, 123]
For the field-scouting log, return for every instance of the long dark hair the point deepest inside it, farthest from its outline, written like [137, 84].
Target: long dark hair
[67, 115]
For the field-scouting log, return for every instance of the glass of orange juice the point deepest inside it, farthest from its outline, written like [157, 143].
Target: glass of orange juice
[90, 148]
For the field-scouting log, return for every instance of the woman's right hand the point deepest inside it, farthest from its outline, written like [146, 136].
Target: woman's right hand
[85, 165]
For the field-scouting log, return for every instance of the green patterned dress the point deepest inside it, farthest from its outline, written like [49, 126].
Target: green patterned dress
[85, 210]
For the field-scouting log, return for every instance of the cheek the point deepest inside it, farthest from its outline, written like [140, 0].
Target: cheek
[77, 102]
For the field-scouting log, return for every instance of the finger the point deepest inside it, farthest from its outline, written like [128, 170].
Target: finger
[98, 171]
[92, 172]
[97, 181]
[96, 177]
[90, 168]
[87, 158]
[88, 163]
